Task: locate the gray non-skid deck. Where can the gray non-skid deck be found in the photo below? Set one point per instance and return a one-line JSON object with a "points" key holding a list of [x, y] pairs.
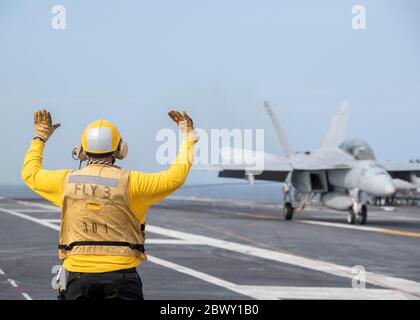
{"points": [[216, 250]]}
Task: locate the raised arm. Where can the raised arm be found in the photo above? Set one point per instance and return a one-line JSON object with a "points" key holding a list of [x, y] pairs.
{"points": [[48, 184], [146, 189]]}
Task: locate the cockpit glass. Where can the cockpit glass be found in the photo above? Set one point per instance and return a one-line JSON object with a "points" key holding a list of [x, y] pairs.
{"points": [[358, 149]]}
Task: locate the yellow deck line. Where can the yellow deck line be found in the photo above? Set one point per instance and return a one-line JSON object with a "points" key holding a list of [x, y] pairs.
{"points": [[401, 233]]}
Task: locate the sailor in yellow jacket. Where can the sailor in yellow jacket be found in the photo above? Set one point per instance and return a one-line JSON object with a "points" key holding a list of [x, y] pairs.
{"points": [[104, 207]]}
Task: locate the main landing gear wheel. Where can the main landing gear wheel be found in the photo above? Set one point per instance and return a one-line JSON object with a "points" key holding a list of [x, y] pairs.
{"points": [[351, 217], [359, 217], [362, 216], [288, 211]]}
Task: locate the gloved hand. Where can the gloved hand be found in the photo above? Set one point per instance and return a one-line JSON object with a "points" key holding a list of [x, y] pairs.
{"points": [[185, 124], [43, 125]]}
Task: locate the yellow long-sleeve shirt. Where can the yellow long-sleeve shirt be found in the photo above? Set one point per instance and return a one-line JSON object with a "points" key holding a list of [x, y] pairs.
{"points": [[144, 190]]}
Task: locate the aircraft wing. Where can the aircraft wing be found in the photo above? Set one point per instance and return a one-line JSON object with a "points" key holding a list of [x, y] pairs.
{"points": [[266, 175], [277, 168], [402, 171], [273, 169]]}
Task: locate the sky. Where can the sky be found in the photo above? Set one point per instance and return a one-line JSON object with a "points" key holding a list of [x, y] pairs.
{"points": [[132, 61]]}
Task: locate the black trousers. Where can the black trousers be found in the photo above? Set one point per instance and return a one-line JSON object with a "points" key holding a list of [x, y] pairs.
{"points": [[116, 285]]}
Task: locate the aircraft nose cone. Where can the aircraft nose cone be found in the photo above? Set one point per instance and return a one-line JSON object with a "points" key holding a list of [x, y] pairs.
{"points": [[390, 190], [382, 185]]}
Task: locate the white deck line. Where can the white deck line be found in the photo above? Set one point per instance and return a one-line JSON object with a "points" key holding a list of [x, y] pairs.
{"points": [[14, 285], [404, 286], [394, 283]]}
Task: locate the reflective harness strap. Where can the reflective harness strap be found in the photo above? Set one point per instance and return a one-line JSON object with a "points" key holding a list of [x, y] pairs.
{"points": [[139, 247], [69, 247]]}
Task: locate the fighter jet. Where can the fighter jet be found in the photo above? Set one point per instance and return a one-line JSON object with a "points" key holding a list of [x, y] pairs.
{"points": [[338, 172]]}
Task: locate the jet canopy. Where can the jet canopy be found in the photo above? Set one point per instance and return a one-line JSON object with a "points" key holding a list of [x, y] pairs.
{"points": [[358, 149]]}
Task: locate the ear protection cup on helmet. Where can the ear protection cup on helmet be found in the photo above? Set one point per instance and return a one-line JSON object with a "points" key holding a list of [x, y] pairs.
{"points": [[80, 154], [122, 151]]}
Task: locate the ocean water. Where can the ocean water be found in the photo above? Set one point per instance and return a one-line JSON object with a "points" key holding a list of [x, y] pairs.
{"points": [[260, 192], [17, 191], [233, 189], [201, 184]]}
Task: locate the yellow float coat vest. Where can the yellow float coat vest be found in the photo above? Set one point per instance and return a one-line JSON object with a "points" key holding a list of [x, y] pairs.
{"points": [[96, 219]]}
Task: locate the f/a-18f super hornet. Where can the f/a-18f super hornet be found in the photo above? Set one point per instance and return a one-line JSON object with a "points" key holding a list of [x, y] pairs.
{"points": [[338, 172]]}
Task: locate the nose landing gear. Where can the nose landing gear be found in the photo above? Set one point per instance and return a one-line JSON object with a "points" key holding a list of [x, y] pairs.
{"points": [[288, 211], [357, 214]]}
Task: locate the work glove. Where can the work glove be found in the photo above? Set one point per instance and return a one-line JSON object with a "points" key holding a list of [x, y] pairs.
{"points": [[185, 124], [43, 125]]}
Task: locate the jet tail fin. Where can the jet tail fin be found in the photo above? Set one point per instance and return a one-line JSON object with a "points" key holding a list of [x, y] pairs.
{"points": [[337, 131], [279, 130]]}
